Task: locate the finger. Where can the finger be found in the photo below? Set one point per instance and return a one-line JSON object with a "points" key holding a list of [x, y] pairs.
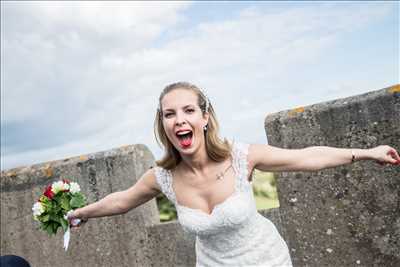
{"points": [[76, 225], [393, 157], [394, 154], [390, 159]]}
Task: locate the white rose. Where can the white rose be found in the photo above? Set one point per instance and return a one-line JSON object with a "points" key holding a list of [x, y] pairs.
{"points": [[66, 186], [57, 187], [37, 209], [74, 188]]}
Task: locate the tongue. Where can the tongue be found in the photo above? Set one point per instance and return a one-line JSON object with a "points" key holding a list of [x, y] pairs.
{"points": [[185, 142]]}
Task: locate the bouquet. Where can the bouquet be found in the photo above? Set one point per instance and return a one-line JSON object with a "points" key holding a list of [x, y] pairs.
{"points": [[54, 204]]}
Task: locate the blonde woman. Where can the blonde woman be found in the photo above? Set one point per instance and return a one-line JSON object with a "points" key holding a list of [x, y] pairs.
{"points": [[209, 181]]}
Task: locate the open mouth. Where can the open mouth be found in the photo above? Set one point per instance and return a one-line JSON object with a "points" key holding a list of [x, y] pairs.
{"points": [[185, 138]]}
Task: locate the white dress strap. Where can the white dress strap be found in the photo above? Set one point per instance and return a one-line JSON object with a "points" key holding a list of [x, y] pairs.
{"points": [[165, 182]]}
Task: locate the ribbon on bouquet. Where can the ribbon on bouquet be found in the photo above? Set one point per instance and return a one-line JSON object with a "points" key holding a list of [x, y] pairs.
{"points": [[67, 233]]}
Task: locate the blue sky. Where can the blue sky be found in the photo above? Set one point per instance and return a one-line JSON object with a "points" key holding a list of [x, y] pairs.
{"points": [[82, 77]]}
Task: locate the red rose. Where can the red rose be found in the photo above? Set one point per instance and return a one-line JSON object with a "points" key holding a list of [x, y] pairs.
{"points": [[48, 193]]}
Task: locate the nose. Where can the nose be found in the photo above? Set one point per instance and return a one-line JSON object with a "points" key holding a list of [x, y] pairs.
{"points": [[180, 119]]}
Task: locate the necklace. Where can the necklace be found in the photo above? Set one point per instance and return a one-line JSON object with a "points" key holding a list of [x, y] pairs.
{"points": [[221, 174]]}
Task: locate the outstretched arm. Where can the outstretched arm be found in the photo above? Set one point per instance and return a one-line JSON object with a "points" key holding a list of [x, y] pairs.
{"points": [[121, 202], [314, 158]]}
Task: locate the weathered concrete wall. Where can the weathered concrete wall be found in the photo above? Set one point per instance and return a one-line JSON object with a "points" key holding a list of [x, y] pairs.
{"points": [[108, 241], [345, 216], [133, 239], [348, 215]]}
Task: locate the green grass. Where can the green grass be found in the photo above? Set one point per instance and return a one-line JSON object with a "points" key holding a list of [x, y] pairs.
{"points": [[265, 194], [264, 187], [263, 203]]}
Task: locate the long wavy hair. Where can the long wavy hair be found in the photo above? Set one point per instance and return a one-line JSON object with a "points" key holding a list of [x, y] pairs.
{"points": [[217, 149]]}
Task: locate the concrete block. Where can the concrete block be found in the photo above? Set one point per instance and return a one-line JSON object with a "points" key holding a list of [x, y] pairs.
{"points": [[107, 241], [348, 215]]}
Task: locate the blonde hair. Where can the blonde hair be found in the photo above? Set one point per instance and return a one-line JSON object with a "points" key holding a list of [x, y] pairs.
{"points": [[217, 149]]}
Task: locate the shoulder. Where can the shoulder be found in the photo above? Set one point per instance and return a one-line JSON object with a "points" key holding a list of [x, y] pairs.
{"points": [[254, 153], [243, 150], [149, 178], [240, 147]]}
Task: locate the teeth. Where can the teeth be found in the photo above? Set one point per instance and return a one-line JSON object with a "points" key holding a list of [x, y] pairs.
{"points": [[182, 133]]}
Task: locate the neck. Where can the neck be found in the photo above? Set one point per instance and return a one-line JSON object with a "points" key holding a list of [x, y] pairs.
{"points": [[196, 162]]}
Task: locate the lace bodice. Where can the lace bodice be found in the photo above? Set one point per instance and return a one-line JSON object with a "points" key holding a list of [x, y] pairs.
{"points": [[234, 233]]}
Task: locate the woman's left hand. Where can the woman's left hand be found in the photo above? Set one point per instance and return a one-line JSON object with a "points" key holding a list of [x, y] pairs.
{"points": [[385, 154]]}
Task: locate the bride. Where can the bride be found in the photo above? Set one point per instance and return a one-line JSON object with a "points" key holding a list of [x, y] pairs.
{"points": [[209, 181]]}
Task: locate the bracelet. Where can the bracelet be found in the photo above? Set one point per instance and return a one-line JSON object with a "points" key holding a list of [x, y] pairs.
{"points": [[353, 157]]}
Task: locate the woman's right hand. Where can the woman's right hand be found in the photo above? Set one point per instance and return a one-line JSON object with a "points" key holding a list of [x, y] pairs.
{"points": [[74, 219]]}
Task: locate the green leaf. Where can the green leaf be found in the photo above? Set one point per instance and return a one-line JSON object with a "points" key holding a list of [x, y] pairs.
{"points": [[64, 224], [55, 227], [56, 197], [47, 205], [49, 228], [56, 209], [77, 201], [44, 218], [44, 226], [64, 202], [55, 218]]}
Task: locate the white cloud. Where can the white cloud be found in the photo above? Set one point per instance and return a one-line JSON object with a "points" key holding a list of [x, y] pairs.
{"points": [[91, 72]]}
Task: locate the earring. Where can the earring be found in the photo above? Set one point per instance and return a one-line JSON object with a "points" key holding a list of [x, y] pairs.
{"points": [[205, 128]]}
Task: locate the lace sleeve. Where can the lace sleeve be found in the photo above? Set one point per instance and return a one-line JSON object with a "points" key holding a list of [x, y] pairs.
{"points": [[159, 178], [164, 182], [241, 151]]}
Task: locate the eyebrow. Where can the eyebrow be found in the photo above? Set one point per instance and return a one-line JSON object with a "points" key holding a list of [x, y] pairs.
{"points": [[187, 106]]}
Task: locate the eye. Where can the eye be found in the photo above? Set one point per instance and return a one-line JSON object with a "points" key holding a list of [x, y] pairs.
{"points": [[190, 110], [167, 115]]}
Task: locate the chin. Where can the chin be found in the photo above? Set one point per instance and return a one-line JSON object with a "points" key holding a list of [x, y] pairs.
{"points": [[186, 150]]}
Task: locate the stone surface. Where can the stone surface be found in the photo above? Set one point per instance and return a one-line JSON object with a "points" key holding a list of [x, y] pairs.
{"points": [[107, 241], [136, 238], [347, 215], [343, 216]]}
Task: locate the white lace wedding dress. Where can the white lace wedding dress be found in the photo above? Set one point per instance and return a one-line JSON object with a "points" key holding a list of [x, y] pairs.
{"points": [[234, 234]]}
